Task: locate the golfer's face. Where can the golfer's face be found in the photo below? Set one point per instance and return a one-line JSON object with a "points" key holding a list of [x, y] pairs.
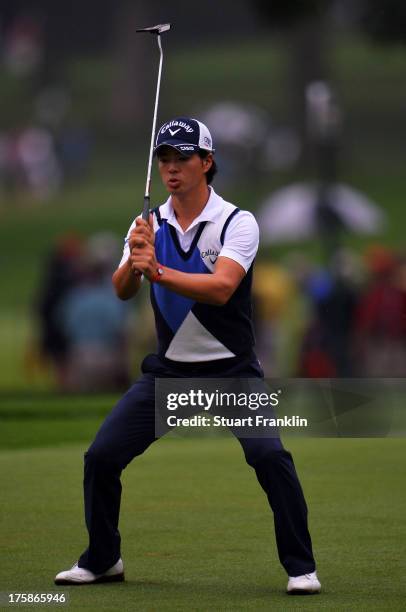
{"points": [[180, 174]]}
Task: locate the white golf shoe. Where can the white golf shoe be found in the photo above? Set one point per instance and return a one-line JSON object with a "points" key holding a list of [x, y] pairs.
{"points": [[79, 575], [303, 585]]}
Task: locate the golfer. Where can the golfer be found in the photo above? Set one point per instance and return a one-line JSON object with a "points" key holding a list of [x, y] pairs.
{"points": [[197, 251]]}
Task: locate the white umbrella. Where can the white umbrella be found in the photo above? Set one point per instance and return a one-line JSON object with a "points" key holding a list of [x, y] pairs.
{"points": [[292, 213], [235, 124]]}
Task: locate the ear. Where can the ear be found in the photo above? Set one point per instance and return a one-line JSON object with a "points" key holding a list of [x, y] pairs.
{"points": [[207, 162]]}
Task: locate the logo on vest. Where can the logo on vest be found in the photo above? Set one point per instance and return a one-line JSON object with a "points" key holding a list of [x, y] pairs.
{"points": [[212, 255]]}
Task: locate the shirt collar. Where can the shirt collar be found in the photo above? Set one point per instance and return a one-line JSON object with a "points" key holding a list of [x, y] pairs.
{"points": [[209, 213]]}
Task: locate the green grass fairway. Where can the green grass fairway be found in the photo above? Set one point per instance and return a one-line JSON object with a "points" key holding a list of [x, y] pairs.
{"points": [[197, 533]]}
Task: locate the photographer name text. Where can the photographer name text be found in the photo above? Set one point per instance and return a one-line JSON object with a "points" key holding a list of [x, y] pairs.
{"points": [[222, 421]]}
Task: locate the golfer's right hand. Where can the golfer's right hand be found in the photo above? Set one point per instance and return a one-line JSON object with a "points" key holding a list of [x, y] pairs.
{"points": [[142, 234]]}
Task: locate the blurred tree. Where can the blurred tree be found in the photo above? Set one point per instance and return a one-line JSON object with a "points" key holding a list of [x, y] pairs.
{"points": [[304, 24], [136, 57], [384, 20], [280, 13]]}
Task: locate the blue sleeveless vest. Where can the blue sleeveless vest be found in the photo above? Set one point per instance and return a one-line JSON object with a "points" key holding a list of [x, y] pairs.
{"points": [[193, 332]]}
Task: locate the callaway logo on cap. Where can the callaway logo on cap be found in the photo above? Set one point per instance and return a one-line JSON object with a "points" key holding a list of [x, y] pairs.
{"points": [[185, 135]]}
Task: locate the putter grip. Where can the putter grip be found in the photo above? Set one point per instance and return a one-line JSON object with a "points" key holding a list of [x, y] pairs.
{"points": [[145, 210]]}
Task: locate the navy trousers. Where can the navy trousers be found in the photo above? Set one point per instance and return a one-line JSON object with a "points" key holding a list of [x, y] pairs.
{"points": [[129, 430]]}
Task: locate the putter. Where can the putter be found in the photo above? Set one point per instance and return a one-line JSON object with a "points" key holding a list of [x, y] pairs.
{"points": [[157, 30]]}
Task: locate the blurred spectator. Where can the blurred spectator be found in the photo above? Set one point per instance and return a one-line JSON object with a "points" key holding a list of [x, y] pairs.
{"points": [[41, 170], [35, 161], [51, 106], [282, 149], [73, 142], [380, 323], [11, 169], [327, 344], [275, 308], [248, 140], [95, 324], [4, 151], [331, 322], [62, 272], [241, 132], [74, 146], [23, 46]]}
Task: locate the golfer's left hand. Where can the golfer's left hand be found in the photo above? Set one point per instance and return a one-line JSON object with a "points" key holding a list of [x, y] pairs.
{"points": [[143, 257]]}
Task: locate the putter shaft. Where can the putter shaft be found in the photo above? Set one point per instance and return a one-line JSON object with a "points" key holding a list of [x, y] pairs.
{"points": [[157, 30]]}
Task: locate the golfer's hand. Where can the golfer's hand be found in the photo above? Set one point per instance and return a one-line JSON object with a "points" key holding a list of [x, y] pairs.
{"points": [[143, 257], [144, 230]]}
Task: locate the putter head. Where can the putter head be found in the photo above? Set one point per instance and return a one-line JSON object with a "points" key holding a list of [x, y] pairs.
{"points": [[158, 29]]}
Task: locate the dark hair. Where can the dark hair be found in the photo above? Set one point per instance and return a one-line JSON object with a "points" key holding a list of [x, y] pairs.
{"points": [[212, 171]]}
